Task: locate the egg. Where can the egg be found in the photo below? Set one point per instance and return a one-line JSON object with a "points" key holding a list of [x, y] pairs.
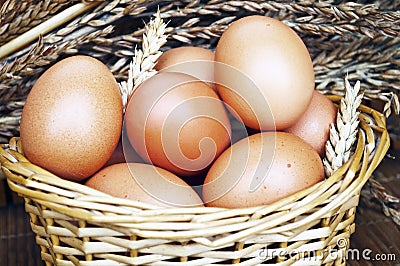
{"points": [[264, 72], [72, 119], [194, 61], [124, 153], [144, 183], [261, 169], [314, 125], [177, 122]]}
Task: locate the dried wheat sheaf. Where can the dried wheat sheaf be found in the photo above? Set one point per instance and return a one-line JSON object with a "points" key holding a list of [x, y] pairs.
{"points": [[343, 134], [144, 60]]}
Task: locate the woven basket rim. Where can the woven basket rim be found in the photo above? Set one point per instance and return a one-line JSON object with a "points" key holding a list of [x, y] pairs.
{"points": [[12, 160]]}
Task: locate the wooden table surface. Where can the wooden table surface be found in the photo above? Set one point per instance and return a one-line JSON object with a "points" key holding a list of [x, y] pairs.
{"points": [[376, 235]]}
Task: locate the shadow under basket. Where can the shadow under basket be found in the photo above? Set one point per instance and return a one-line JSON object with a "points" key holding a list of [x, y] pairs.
{"points": [[77, 225]]}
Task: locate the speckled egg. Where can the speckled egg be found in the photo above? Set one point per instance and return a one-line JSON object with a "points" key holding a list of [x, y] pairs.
{"points": [[72, 119], [274, 78], [314, 125], [191, 60], [177, 122], [145, 183], [261, 169]]}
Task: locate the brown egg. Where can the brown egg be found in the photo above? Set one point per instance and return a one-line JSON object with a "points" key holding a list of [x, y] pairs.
{"points": [[194, 61], [177, 122], [124, 152], [145, 183], [72, 118], [262, 169], [313, 126], [264, 72]]}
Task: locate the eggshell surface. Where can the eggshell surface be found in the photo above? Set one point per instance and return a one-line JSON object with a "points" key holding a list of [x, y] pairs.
{"points": [[275, 58], [191, 60], [177, 122], [260, 170], [71, 121], [145, 183], [314, 125], [123, 153]]}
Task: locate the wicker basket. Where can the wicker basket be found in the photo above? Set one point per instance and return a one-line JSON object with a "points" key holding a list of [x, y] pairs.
{"points": [[76, 225]]}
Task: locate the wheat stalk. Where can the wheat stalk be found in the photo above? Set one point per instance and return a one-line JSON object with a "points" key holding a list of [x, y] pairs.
{"points": [[144, 60], [343, 134], [361, 59], [389, 202], [17, 17], [321, 19], [43, 28]]}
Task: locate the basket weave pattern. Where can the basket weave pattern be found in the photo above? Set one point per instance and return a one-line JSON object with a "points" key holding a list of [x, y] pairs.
{"points": [[78, 225], [75, 223]]}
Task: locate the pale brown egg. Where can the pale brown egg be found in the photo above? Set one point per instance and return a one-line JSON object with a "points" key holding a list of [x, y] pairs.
{"points": [[264, 72], [177, 122], [260, 170], [314, 125], [124, 152], [72, 118], [144, 183], [191, 60]]}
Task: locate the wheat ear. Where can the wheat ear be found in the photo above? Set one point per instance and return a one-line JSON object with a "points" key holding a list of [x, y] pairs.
{"points": [[343, 134], [144, 60]]}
